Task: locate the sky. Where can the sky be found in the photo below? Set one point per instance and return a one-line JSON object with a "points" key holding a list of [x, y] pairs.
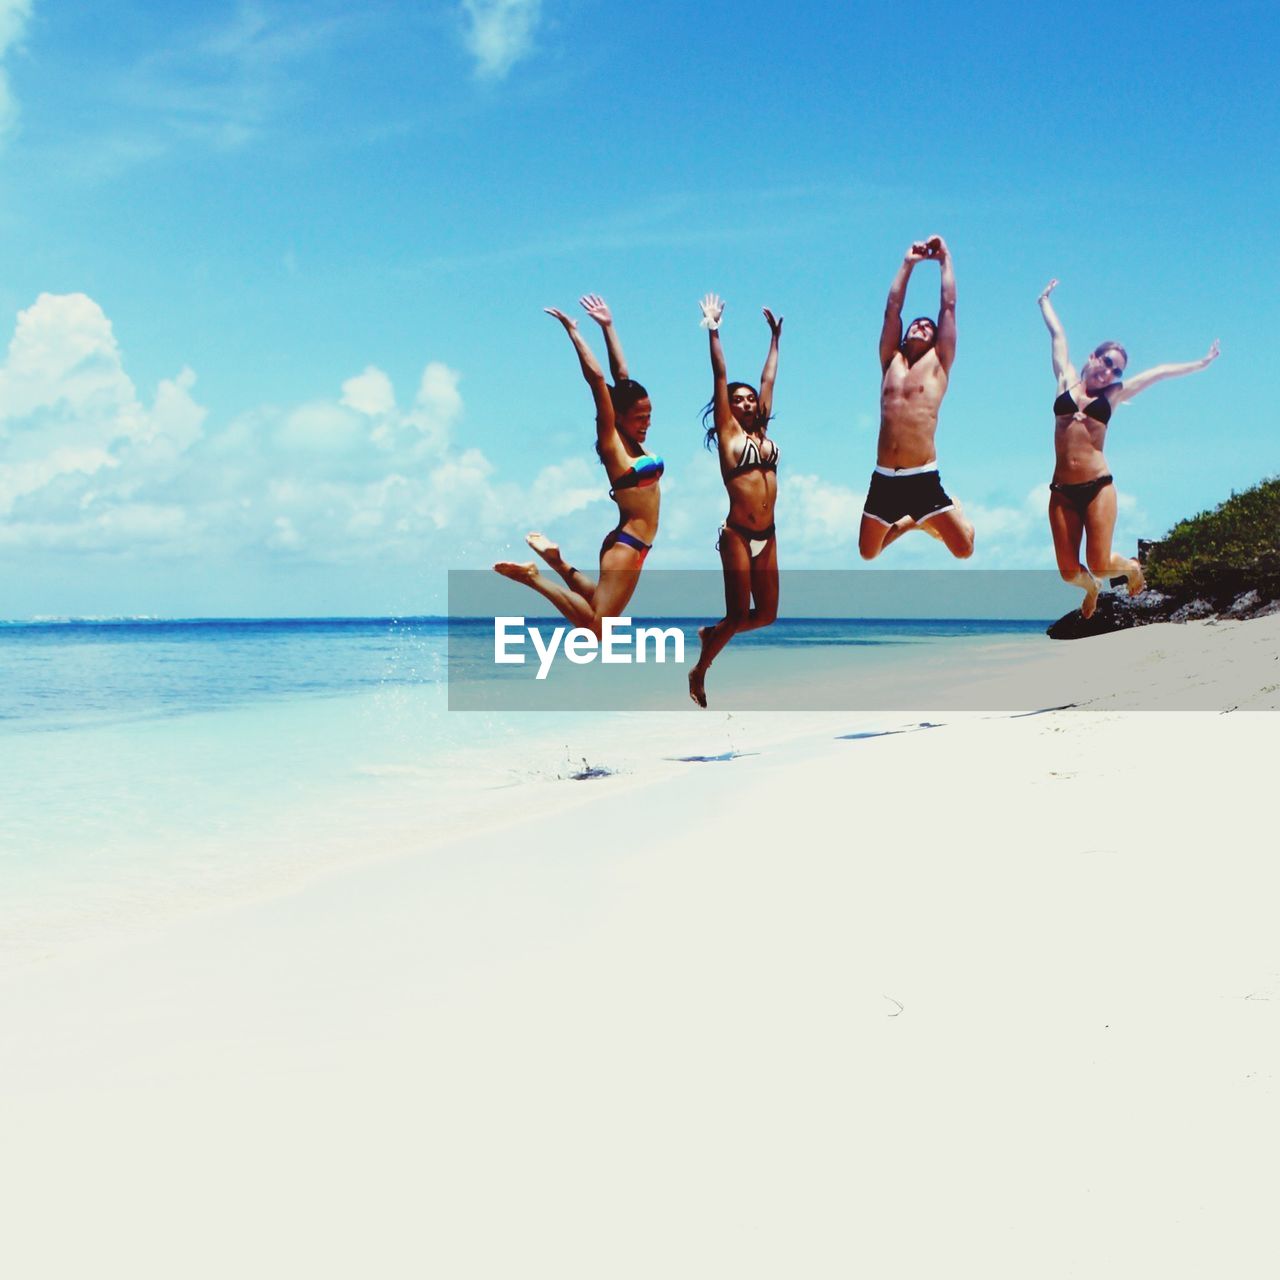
{"points": [[274, 274]]}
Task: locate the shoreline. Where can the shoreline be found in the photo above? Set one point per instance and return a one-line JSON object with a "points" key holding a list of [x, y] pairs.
{"points": [[391, 803]]}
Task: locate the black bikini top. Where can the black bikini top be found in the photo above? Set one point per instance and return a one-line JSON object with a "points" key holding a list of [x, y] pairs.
{"points": [[1099, 408], [753, 458]]}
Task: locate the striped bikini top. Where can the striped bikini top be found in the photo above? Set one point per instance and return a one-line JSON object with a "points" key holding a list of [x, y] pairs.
{"points": [[645, 471], [753, 458]]}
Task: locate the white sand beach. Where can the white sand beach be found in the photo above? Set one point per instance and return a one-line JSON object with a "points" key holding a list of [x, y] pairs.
{"points": [[998, 997]]}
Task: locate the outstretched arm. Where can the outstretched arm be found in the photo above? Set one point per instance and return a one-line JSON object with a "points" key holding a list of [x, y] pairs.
{"points": [[1141, 381], [891, 334], [606, 433], [712, 309], [598, 309], [945, 339], [769, 374], [1062, 369]]}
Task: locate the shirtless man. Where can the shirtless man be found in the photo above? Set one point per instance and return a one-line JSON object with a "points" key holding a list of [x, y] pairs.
{"points": [[905, 491]]}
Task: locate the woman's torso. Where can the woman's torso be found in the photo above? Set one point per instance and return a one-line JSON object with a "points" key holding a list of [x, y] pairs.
{"points": [[749, 466], [1079, 434], [633, 485]]}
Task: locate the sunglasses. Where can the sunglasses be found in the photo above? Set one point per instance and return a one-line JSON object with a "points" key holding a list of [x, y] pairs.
{"points": [[1114, 365]]}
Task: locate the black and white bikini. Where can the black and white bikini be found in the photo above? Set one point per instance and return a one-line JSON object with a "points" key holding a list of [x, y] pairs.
{"points": [[753, 458]]}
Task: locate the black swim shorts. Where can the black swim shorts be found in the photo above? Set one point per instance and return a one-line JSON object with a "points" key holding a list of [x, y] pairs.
{"points": [[918, 494]]}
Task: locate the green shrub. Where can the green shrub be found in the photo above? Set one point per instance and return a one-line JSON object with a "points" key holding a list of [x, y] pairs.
{"points": [[1222, 553]]}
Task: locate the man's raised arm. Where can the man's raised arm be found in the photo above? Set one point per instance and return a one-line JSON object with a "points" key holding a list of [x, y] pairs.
{"points": [[945, 342], [891, 334]]}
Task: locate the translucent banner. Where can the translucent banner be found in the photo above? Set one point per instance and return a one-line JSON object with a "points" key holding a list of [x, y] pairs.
{"points": [[843, 640]]}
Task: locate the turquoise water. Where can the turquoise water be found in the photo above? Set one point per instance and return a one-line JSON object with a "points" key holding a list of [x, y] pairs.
{"points": [[65, 674], [57, 676], [146, 764]]}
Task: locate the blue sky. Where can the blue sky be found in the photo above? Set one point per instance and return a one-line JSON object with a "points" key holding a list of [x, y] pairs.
{"points": [[274, 274]]}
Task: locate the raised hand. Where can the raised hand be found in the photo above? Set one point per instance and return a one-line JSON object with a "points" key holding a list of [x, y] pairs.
{"points": [[775, 326], [918, 252], [935, 247], [1048, 289], [1214, 352], [597, 308], [712, 309], [568, 321]]}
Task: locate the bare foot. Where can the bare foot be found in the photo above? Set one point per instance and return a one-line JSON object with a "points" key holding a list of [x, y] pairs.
{"points": [[1136, 581], [1090, 601], [526, 573], [697, 686], [546, 549]]}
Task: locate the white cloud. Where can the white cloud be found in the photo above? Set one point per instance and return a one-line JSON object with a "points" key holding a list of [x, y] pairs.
{"points": [[175, 421], [370, 393], [1015, 536], [439, 403], [13, 23], [498, 33], [822, 518], [561, 489], [63, 353], [68, 411], [321, 428], [87, 465]]}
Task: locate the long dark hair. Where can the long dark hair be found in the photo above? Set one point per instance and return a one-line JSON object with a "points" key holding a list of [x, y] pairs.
{"points": [[709, 412], [623, 395]]}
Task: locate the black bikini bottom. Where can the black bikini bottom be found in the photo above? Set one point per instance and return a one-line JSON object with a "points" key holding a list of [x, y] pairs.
{"points": [[1081, 495], [756, 539]]}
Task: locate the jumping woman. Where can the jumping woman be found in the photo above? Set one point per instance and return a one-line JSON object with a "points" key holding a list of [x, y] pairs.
{"points": [[1082, 497], [748, 543], [622, 422]]}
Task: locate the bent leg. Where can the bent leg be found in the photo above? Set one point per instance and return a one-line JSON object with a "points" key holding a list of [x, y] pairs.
{"points": [[874, 535], [1067, 528], [569, 603], [953, 529], [619, 572], [574, 579], [1099, 527], [736, 561], [764, 589], [620, 567]]}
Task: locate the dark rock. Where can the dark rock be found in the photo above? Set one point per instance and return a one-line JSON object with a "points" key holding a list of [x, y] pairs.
{"points": [[1235, 600], [1192, 611], [1117, 612], [1114, 613]]}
